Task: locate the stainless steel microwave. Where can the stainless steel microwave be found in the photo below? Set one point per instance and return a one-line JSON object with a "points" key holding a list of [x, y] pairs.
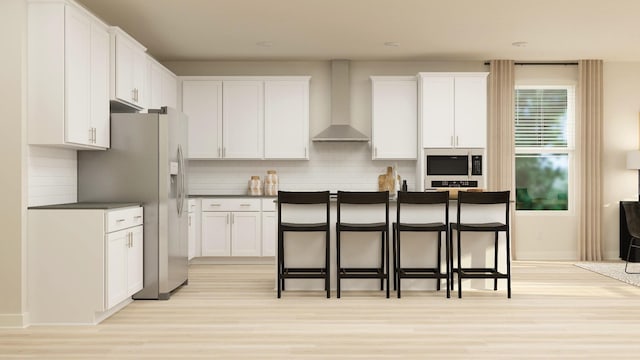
{"points": [[454, 168]]}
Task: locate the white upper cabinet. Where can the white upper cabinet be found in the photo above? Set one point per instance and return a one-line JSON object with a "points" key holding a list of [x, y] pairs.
{"points": [[286, 119], [68, 74], [202, 103], [247, 117], [394, 117], [453, 110], [163, 86], [243, 119], [129, 70]]}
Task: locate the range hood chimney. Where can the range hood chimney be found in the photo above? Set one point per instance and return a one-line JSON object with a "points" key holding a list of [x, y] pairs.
{"points": [[340, 130]]}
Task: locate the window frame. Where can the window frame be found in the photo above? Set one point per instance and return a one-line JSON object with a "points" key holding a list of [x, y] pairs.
{"points": [[570, 150]]}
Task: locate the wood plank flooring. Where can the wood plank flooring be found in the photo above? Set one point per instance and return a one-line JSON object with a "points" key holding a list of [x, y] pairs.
{"points": [[231, 312]]}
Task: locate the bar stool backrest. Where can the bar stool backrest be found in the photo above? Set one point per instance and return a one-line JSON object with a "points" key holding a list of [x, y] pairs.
{"points": [[363, 198], [632, 213], [484, 198], [423, 198], [303, 198]]}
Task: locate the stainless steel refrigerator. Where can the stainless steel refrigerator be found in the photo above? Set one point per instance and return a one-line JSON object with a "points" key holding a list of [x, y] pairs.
{"points": [[146, 164]]}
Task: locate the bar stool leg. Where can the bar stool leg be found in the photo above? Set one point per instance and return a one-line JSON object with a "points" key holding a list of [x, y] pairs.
{"points": [[451, 254], [395, 261], [327, 264], [338, 272], [399, 266], [495, 263], [438, 269], [447, 255], [508, 266], [459, 266], [386, 247], [382, 261]]}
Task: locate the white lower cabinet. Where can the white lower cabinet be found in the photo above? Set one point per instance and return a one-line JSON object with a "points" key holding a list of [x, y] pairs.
{"points": [[231, 227], [269, 227], [194, 247], [84, 264]]}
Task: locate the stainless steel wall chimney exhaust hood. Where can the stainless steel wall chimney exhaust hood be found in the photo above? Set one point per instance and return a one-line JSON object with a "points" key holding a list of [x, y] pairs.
{"points": [[340, 130]]}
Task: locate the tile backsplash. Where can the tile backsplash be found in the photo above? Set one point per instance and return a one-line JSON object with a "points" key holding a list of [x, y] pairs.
{"points": [[332, 166], [52, 174]]}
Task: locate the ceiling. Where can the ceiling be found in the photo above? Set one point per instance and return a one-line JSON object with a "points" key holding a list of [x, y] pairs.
{"points": [[358, 29]]}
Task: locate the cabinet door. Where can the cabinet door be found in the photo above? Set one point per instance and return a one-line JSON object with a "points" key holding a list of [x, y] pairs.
{"points": [[78, 77], [169, 90], [135, 261], [437, 96], [269, 233], [471, 111], [286, 119], [192, 236], [117, 261], [243, 119], [100, 85], [245, 230], [216, 234], [125, 88], [394, 119], [155, 89], [202, 103], [140, 77]]}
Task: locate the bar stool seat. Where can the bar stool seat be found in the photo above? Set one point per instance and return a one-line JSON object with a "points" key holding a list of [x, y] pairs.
{"points": [[284, 272], [424, 200], [364, 198]]}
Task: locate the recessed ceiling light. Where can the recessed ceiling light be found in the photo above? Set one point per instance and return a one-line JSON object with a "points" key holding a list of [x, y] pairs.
{"points": [[519, 43], [265, 43], [392, 44]]}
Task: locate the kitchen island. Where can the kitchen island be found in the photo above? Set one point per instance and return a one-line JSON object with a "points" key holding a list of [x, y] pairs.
{"points": [[363, 249]]}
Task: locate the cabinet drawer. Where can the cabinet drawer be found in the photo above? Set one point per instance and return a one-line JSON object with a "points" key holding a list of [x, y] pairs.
{"points": [[125, 218], [269, 205], [193, 205], [242, 204]]}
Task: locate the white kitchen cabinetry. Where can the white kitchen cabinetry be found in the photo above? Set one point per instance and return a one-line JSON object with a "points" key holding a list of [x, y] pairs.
{"points": [[394, 117], [202, 103], [68, 77], [242, 117], [194, 228], [163, 86], [453, 110], [129, 70], [286, 119], [231, 227], [84, 263], [269, 227]]}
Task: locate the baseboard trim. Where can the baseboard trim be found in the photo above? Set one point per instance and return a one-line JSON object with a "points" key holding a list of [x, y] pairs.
{"points": [[547, 255], [14, 320], [234, 260]]}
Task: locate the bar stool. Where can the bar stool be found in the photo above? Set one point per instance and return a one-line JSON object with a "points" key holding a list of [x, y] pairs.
{"points": [[303, 198], [482, 198], [364, 198], [432, 200]]}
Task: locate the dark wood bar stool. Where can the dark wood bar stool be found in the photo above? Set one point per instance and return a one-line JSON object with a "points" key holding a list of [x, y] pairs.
{"points": [[482, 198], [364, 198], [284, 272], [440, 224]]}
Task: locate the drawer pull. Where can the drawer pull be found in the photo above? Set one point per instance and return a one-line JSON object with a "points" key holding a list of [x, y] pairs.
{"points": [[138, 217], [214, 204], [120, 220], [245, 204]]}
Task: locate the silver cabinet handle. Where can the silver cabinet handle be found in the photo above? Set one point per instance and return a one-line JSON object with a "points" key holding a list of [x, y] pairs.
{"points": [[224, 151], [91, 135], [227, 217], [120, 220], [232, 218], [137, 217], [214, 204], [456, 140], [219, 152], [245, 204]]}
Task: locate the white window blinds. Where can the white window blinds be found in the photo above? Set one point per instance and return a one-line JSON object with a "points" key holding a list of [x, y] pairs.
{"points": [[544, 117]]}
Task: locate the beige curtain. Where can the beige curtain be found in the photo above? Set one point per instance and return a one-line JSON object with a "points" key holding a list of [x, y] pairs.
{"points": [[590, 120], [500, 133]]}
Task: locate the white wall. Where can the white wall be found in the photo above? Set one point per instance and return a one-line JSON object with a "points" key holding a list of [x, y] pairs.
{"points": [[13, 180], [557, 239], [333, 166], [621, 110]]}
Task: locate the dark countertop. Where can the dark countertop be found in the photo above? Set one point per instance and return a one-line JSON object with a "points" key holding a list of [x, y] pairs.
{"points": [[85, 205]]}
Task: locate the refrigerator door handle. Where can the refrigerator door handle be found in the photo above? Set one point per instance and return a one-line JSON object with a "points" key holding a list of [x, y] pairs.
{"points": [[180, 187]]}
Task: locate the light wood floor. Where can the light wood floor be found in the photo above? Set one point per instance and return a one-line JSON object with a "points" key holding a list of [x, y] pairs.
{"points": [[231, 312]]}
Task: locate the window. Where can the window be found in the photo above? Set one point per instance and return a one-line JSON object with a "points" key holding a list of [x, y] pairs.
{"points": [[544, 146]]}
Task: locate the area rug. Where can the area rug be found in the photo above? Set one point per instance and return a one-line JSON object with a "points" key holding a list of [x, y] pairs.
{"points": [[614, 270]]}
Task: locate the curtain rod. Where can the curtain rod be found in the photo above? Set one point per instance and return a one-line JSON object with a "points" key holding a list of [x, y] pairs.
{"points": [[542, 63]]}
